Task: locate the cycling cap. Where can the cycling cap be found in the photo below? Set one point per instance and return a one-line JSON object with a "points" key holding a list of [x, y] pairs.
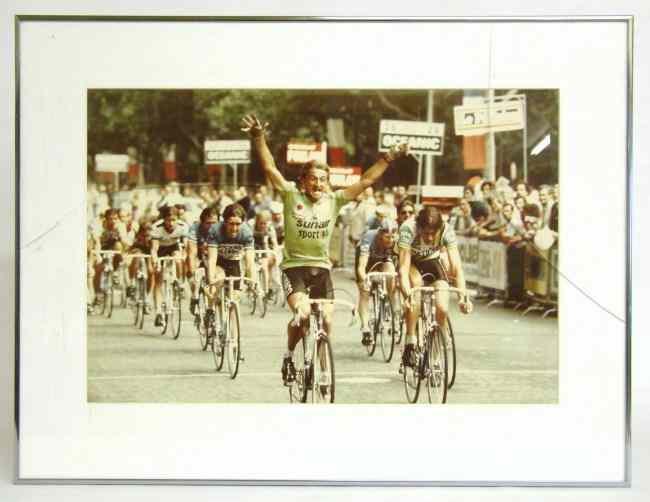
{"points": [[276, 207]]}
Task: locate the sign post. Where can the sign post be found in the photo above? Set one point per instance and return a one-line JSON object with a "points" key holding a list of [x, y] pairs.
{"points": [[423, 138], [496, 114], [228, 152], [115, 164]]}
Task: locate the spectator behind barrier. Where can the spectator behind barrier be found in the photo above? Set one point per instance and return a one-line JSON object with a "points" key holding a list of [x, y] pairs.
{"points": [[461, 220]]}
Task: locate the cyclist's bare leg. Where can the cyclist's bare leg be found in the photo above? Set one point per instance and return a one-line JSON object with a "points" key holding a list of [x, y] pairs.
{"points": [[363, 305], [216, 283], [157, 294], [389, 267], [442, 305], [298, 302], [413, 309], [270, 263]]}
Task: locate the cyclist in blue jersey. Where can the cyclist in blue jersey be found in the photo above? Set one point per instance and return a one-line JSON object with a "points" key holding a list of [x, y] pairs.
{"points": [[198, 239], [228, 242], [374, 253]]}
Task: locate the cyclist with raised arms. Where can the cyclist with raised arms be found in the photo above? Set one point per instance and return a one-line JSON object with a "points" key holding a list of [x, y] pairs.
{"points": [[310, 212], [375, 253], [265, 239], [198, 239], [167, 236], [228, 242], [420, 244]]}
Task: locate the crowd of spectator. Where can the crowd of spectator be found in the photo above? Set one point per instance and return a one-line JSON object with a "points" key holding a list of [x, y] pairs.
{"points": [[516, 214]]}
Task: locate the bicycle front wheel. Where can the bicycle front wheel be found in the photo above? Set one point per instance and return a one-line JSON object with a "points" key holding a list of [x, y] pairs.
{"points": [[200, 319], [142, 300], [217, 339], [176, 312], [109, 298], [298, 390], [387, 330], [263, 296], [374, 321], [412, 375], [450, 344], [233, 341], [323, 372], [435, 367]]}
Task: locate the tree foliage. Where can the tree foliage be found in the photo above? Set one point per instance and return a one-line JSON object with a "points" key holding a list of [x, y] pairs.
{"points": [[151, 120]]}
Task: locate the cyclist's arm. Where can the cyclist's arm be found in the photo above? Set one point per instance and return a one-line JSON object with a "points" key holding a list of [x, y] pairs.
{"points": [[268, 163], [213, 252], [154, 250], [193, 254], [456, 269], [404, 270], [367, 179]]}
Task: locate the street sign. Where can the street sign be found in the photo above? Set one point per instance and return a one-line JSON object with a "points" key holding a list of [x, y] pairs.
{"points": [[227, 151], [425, 138], [108, 163], [301, 152], [344, 176], [475, 119]]}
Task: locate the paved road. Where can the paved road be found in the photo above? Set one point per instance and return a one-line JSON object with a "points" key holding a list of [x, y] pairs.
{"points": [[502, 358]]}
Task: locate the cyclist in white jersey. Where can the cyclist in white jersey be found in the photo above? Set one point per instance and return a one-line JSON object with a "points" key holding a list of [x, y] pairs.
{"points": [[310, 213], [167, 236], [265, 239], [420, 244]]}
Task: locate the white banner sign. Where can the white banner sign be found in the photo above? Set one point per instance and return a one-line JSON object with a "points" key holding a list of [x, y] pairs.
{"points": [[468, 249], [492, 265], [301, 152], [475, 119], [107, 163], [227, 151], [422, 137]]}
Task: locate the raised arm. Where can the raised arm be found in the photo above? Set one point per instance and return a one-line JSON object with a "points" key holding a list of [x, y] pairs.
{"points": [[257, 132], [376, 170]]}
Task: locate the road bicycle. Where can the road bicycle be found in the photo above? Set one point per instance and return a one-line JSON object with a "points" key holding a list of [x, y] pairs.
{"points": [[260, 297], [201, 307], [107, 282], [314, 359], [171, 296], [139, 302], [383, 323], [431, 355], [224, 327]]}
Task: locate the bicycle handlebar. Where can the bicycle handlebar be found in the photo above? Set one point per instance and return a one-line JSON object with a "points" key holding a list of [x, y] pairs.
{"points": [[107, 252], [231, 279], [265, 251], [431, 289]]}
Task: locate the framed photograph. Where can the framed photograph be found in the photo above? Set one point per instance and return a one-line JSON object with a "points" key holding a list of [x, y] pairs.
{"points": [[283, 251]]}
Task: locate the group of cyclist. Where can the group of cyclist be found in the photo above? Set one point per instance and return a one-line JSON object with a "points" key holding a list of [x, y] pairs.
{"points": [[413, 248]]}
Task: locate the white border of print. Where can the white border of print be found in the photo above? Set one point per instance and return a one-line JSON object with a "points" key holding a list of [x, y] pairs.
{"points": [[482, 444]]}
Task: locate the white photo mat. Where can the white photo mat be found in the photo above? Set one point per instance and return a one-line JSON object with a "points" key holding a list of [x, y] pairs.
{"points": [[580, 440]]}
